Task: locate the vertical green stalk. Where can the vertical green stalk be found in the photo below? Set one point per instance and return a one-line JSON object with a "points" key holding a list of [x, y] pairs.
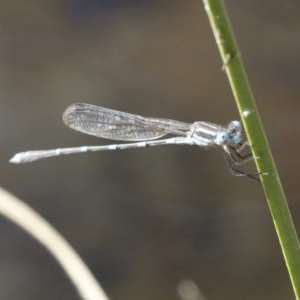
{"points": [[254, 130]]}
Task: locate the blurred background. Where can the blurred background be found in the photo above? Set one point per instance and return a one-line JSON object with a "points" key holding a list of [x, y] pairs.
{"points": [[144, 220]]}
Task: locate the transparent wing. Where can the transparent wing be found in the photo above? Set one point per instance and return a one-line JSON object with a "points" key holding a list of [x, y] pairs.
{"points": [[117, 125]]}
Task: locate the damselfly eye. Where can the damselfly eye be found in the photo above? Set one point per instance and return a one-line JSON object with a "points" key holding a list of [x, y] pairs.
{"points": [[222, 138], [235, 126]]}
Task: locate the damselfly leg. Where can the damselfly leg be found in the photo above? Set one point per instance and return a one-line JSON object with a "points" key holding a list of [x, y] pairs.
{"points": [[236, 158]]}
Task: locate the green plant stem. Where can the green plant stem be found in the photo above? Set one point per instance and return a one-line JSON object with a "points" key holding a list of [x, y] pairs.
{"points": [[254, 130]]}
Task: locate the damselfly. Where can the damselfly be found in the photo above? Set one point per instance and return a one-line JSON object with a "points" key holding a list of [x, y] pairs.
{"points": [[144, 132]]}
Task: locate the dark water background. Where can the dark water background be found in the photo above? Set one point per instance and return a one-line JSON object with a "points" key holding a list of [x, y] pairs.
{"points": [[145, 219]]}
